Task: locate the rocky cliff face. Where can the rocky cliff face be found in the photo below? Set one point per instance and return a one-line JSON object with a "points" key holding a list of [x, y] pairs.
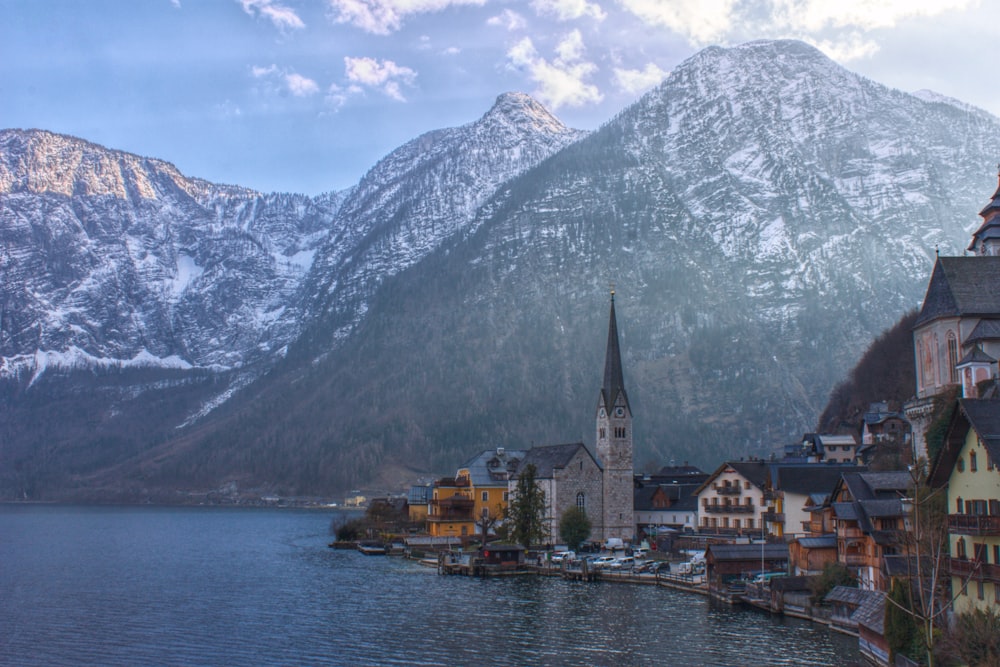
{"points": [[764, 213]]}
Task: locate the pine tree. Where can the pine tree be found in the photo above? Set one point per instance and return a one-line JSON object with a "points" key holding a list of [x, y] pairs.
{"points": [[526, 510]]}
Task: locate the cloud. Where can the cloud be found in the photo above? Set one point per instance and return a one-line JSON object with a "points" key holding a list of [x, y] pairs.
{"points": [[638, 81], [560, 82], [282, 17], [508, 19], [567, 10], [382, 17], [383, 75], [296, 84], [839, 25]]}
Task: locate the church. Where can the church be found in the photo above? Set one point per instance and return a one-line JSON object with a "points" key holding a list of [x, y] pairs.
{"points": [[602, 486]]}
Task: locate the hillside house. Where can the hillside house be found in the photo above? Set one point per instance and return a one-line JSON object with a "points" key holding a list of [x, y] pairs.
{"points": [[731, 500], [969, 466]]}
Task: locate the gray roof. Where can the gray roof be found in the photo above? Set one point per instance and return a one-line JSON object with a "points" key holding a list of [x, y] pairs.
{"points": [[871, 613], [882, 508], [985, 329], [974, 356], [981, 415], [821, 542], [492, 466], [845, 511], [754, 471], [962, 287], [748, 551], [846, 594], [549, 458], [809, 478]]}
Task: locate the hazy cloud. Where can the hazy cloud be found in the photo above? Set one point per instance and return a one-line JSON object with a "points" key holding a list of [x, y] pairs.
{"points": [[566, 10], [282, 17], [561, 82], [639, 80], [296, 84], [383, 75], [382, 17], [508, 19]]}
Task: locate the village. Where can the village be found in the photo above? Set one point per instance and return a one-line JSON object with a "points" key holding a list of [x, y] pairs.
{"points": [[889, 531]]}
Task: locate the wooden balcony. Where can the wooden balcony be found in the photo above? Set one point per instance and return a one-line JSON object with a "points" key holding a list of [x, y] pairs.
{"points": [[724, 490], [974, 524], [729, 509], [854, 560], [774, 517], [453, 508], [975, 570]]}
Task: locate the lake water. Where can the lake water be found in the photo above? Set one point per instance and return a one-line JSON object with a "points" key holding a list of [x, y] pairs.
{"points": [[213, 586]]}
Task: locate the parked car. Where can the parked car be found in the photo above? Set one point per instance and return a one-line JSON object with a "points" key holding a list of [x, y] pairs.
{"points": [[659, 566], [639, 553], [602, 561], [560, 556], [624, 563]]}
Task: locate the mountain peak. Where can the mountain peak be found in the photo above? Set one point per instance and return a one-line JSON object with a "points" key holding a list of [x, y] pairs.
{"points": [[522, 109]]}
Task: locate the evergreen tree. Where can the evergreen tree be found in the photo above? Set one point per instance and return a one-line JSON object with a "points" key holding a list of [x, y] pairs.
{"points": [[526, 510], [574, 527]]}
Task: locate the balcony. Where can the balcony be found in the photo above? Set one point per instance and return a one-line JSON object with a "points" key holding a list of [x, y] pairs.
{"points": [[453, 508], [774, 517], [973, 524], [729, 509], [854, 560], [975, 570], [724, 490]]}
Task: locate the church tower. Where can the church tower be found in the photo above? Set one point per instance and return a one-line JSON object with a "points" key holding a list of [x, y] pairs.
{"points": [[986, 239], [614, 441]]}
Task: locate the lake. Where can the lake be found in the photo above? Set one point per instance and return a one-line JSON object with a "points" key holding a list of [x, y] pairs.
{"points": [[228, 586]]}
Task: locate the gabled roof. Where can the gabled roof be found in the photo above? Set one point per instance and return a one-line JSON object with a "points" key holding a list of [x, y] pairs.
{"points": [[962, 287], [981, 415], [821, 542], [808, 478], [975, 356], [492, 467], [549, 458], [871, 613], [847, 594], [753, 471]]}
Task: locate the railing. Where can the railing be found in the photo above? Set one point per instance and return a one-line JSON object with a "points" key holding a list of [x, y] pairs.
{"points": [[774, 517], [854, 559], [728, 490], [973, 524], [729, 509], [974, 569]]}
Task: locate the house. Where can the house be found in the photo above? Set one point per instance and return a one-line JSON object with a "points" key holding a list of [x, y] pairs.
{"points": [[726, 563], [869, 517], [570, 476], [809, 555], [450, 512], [880, 424], [822, 448], [789, 491], [418, 500], [665, 501], [969, 467], [731, 500], [488, 475]]}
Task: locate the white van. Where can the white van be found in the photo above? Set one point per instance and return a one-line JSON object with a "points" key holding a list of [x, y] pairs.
{"points": [[613, 543]]}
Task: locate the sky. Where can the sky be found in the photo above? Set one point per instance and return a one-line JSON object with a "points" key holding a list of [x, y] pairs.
{"points": [[307, 95]]}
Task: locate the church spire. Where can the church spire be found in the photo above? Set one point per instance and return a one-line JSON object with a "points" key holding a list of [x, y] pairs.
{"points": [[614, 381], [986, 239]]}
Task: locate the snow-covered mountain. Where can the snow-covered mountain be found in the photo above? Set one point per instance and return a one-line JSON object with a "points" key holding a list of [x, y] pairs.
{"points": [[110, 259], [764, 214]]}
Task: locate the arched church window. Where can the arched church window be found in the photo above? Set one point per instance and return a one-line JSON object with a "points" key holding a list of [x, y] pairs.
{"points": [[581, 500], [952, 357]]}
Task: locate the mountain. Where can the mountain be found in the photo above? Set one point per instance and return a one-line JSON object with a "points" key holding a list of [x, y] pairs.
{"points": [[764, 214]]}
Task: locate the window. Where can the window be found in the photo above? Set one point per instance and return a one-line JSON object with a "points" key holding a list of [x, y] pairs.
{"points": [[736, 524], [581, 500], [486, 496], [972, 462], [603, 433], [506, 496], [958, 505], [746, 485], [960, 548], [994, 508], [952, 358], [749, 523], [981, 593], [960, 465], [980, 551]]}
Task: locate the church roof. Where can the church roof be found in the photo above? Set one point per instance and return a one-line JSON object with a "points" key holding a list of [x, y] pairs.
{"points": [[962, 287], [549, 458], [975, 355], [985, 329], [614, 380]]}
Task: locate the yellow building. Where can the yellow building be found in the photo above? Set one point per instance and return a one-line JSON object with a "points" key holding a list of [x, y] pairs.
{"points": [[969, 464], [477, 495]]}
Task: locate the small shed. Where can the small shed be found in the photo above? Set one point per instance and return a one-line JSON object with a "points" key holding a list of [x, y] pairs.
{"points": [[503, 554], [729, 562]]}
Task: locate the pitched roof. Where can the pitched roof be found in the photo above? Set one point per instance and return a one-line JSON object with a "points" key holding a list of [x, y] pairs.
{"points": [[549, 458], [985, 329], [821, 542], [492, 467], [975, 356], [871, 613], [981, 415], [754, 471], [808, 478], [847, 594], [962, 287], [769, 551]]}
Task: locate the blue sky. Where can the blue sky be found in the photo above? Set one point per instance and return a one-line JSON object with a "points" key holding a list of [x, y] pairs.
{"points": [[305, 96]]}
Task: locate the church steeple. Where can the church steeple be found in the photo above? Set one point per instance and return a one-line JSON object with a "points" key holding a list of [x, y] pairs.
{"points": [[614, 442], [614, 381], [986, 239]]}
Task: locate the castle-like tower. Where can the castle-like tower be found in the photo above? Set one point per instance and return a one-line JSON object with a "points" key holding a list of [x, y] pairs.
{"points": [[614, 441]]}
